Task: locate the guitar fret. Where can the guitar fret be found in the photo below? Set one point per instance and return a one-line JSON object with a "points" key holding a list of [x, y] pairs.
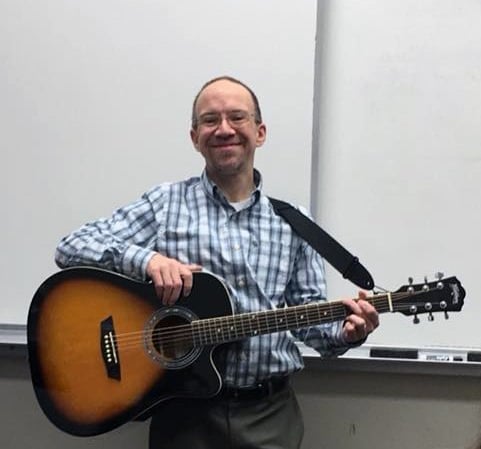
{"points": [[232, 330], [255, 320], [196, 341], [266, 319], [216, 332], [238, 323], [204, 322], [219, 330], [286, 319], [305, 316], [198, 333], [294, 312], [211, 328]]}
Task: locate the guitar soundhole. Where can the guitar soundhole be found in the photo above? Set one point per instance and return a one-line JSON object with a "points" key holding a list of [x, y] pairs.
{"points": [[168, 337]]}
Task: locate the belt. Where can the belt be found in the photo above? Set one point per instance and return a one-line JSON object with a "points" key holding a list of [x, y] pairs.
{"points": [[257, 391]]}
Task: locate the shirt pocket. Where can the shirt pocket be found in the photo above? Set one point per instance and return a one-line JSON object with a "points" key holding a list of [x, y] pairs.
{"points": [[271, 262]]}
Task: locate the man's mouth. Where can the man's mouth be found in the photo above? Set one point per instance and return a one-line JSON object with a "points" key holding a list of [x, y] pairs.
{"points": [[225, 144]]}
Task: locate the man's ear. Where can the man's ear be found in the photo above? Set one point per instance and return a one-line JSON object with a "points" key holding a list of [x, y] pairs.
{"points": [[194, 136], [261, 134]]}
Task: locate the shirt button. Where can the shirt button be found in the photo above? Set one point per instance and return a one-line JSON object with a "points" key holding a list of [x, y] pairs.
{"points": [[237, 247], [241, 282]]}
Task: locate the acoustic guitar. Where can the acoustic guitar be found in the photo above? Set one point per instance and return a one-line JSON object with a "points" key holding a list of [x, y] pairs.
{"points": [[103, 350]]}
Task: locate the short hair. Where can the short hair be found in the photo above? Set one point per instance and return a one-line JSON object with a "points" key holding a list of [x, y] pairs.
{"points": [[257, 109]]}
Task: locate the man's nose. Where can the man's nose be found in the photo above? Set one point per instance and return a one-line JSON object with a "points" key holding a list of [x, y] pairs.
{"points": [[224, 127]]}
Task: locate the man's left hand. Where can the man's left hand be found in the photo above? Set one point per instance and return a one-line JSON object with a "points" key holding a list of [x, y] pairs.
{"points": [[362, 321]]}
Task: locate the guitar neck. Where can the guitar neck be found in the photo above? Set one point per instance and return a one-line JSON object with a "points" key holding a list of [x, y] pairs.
{"points": [[225, 329]]}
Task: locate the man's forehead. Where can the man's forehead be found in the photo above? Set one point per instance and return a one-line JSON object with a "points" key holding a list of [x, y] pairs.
{"points": [[222, 92]]}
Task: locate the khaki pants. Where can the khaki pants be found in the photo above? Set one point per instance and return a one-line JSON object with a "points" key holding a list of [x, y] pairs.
{"points": [[270, 422]]}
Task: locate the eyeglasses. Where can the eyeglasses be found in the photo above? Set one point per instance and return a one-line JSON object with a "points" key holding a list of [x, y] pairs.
{"points": [[213, 119]]}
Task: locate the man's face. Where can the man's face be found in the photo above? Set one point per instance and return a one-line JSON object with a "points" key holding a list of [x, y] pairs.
{"points": [[226, 134]]}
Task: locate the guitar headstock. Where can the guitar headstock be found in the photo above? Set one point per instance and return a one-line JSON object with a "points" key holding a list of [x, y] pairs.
{"points": [[443, 295]]}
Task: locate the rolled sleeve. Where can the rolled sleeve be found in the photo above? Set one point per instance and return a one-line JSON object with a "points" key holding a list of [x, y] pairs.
{"points": [[124, 243]]}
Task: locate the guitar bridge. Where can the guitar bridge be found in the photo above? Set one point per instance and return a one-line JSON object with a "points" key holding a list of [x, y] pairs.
{"points": [[108, 347]]}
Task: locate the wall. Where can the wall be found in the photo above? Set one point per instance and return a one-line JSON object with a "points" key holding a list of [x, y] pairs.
{"points": [[95, 108], [342, 408], [397, 170]]}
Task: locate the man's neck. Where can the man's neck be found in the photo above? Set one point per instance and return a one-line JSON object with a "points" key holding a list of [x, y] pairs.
{"points": [[235, 187]]}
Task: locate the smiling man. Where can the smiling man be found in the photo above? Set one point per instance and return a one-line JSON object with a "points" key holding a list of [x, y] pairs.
{"points": [[226, 129], [222, 222]]}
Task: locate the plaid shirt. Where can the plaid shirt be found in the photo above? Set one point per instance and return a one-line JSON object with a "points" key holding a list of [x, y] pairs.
{"points": [[254, 250]]}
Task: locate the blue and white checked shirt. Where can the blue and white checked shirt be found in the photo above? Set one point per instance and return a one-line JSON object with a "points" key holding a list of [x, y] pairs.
{"points": [[254, 250]]}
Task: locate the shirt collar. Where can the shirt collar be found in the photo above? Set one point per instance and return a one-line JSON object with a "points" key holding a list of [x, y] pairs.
{"points": [[214, 192]]}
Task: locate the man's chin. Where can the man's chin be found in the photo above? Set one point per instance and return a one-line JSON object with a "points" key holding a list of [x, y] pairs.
{"points": [[228, 168]]}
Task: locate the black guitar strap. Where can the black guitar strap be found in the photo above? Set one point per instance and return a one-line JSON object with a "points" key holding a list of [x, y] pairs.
{"points": [[331, 250]]}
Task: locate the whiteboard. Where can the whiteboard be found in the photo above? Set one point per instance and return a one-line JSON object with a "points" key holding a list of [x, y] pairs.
{"points": [[397, 138], [95, 103]]}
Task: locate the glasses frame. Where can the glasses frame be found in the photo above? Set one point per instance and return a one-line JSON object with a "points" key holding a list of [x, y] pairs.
{"points": [[218, 117]]}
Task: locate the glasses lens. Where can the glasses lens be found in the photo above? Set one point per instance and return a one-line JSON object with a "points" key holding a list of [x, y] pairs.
{"points": [[234, 118]]}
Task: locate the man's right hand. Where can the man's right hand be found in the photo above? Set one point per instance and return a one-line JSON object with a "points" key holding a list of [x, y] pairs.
{"points": [[170, 277]]}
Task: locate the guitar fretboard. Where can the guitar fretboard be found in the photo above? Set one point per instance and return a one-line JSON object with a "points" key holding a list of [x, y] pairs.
{"points": [[225, 329]]}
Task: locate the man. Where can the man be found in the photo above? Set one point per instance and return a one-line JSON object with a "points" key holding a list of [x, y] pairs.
{"points": [[222, 222]]}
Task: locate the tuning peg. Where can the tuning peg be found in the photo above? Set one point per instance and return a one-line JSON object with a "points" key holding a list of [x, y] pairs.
{"points": [[425, 286], [430, 316], [439, 276], [410, 288], [416, 319], [443, 305]]}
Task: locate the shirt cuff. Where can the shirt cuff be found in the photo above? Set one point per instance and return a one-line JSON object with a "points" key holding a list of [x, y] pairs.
{"points": [[134, 262]]}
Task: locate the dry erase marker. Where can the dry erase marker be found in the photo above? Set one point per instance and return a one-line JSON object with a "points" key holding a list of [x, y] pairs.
{"points": [[443, 358]]}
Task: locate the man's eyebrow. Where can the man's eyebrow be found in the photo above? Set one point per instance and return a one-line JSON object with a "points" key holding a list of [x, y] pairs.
{"points": [[226, 111]]}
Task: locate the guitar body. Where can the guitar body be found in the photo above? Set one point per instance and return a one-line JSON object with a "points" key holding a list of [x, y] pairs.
{"points": [[95, 360], [103, 350]]}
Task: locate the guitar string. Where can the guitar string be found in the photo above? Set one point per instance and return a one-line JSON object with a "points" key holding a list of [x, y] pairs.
{"points": [[207, 331], [211, 325]]}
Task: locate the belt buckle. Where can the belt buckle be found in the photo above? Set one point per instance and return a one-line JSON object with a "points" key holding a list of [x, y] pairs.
{"points": [[264, 388]]}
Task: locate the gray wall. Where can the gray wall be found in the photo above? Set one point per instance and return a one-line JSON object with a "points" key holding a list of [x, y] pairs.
{"points": [[95, 109], [397, 170], [343, 408]]}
